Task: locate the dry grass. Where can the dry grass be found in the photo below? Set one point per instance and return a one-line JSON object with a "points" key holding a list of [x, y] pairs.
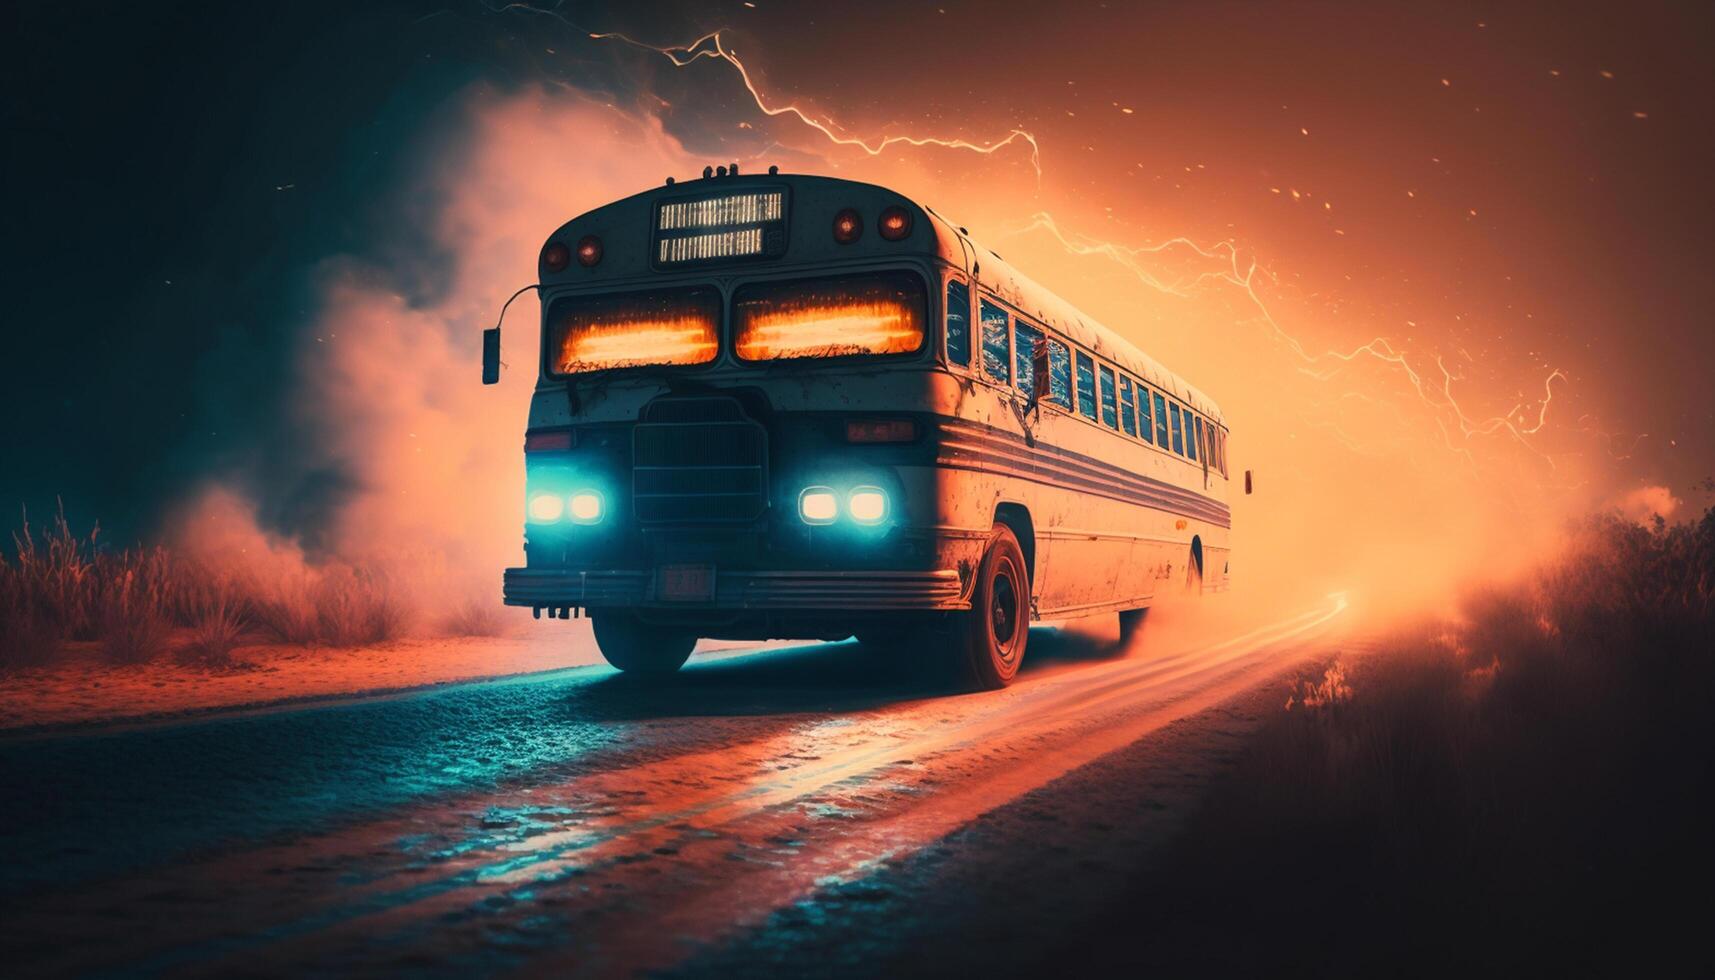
{"points": [[140, 603], [475, 617], [219, 626], [1515, 791]]}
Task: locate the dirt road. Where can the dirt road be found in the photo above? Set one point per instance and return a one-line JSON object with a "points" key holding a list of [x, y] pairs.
{"points": [[570, 821]]}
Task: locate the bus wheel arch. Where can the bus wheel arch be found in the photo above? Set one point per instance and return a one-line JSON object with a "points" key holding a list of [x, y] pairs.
{"points": [[1016, 517]]}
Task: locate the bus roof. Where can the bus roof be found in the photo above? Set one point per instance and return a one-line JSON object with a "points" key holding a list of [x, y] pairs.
{"points": [[625, 224]]}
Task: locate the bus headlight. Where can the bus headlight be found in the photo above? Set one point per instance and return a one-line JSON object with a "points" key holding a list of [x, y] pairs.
{"points": [[545, 508], [867, 505], [818, 505], [586, 507]]}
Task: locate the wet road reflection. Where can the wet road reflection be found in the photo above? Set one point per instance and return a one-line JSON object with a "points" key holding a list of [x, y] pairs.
{"points": [[578, 815]]}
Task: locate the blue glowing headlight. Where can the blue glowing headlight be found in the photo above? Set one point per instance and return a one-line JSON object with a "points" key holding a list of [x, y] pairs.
{"points": [[585, 507], [818, 505], [545, 508], [867, 505]]}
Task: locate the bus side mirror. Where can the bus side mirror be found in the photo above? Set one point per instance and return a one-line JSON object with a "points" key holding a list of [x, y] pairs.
{"points": [[1247, 481], [1039, 380], [491, 355]]}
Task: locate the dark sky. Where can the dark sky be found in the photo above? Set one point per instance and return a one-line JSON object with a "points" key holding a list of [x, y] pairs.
{"points": [[174, 170]]}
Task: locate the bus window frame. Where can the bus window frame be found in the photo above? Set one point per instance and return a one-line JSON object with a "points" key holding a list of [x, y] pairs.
{"points": [[1128, 405], [1079, 359], [1174, 431], [1145, 415], [1107, 380], [980, 350], [1022, 359], [1162, 436], [1191, 427], [946, 329]]}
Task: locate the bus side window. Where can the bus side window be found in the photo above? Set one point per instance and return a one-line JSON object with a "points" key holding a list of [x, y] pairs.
{"points": [[1160, 421], [1024, 342], [1086, 386], [958, 322], [1178, 435], [1128, 411], [1110, 411], [1059, 374], [1145, 420], [997, 358], [1192, 425]]}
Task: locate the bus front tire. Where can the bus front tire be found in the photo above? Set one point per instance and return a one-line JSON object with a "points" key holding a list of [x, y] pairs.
{"points": [[641, 649], [993, 634]]}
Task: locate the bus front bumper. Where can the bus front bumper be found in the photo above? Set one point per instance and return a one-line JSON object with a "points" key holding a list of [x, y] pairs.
{"points": [[738, 589]]}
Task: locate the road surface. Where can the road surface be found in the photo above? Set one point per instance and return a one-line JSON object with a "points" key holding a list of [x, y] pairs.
{"points": [[571, 822]]}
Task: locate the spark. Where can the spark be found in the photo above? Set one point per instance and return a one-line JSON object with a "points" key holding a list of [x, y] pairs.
{"points": [[711, 46]]}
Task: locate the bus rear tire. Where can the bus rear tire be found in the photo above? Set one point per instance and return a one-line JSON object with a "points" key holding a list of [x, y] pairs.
{"points": [[638, 648], [991, 637]]}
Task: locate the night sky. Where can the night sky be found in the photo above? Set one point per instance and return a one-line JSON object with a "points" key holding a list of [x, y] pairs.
{"points": [[1518, 190]]}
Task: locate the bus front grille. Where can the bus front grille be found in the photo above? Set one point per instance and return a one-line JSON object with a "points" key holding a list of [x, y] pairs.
{"points": [[698, 461]]}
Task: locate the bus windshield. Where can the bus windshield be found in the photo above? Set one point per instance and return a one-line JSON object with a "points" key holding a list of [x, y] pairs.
{"points": [[667, 326], [875, 313]]}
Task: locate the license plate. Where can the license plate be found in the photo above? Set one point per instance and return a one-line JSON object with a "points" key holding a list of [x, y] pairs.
{"points": [[688, 583]]}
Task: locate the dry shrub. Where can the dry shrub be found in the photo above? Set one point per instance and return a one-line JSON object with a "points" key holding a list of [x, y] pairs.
{"points": [[337, 605], [60, 586], [475, 617], [134, 626], [27, 637], [355, 607], [217, 628]]}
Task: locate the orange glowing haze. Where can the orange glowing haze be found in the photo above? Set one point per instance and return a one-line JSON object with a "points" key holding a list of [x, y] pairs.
{"points": [[1394, 363]]}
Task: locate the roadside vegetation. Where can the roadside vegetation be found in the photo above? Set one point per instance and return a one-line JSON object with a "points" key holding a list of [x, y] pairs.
{"points": [[1520, 790], [140, 604]]}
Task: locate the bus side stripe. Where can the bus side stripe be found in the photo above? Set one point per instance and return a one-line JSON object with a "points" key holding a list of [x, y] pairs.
{"points": [[1004, 448], [1005, 465]]}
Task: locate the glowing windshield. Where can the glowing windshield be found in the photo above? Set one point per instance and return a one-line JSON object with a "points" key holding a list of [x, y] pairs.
{"points": [[867, 314], [597, 333]]}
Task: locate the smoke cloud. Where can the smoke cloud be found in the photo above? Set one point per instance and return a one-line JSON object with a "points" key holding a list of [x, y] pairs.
{"points": [[428, 461], [1375, 500]]}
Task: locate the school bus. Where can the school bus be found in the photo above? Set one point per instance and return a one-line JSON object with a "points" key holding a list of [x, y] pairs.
{"points": [[792, 406]]}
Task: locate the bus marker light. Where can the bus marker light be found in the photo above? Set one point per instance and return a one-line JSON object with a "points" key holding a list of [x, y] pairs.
{"points": [[539, 442], [817, 505], [895, 223], [848, 226], [556, 256], [880, 430], [589, 251], [586, 507], [546, 508], [868, 505]]}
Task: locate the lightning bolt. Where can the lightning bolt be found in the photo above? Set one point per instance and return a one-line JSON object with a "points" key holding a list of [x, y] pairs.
{"points": [[712, 46], [1232, 269]]}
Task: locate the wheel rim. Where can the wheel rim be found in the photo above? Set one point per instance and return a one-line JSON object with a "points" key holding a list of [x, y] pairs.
{"points": [[1004, 612]]}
